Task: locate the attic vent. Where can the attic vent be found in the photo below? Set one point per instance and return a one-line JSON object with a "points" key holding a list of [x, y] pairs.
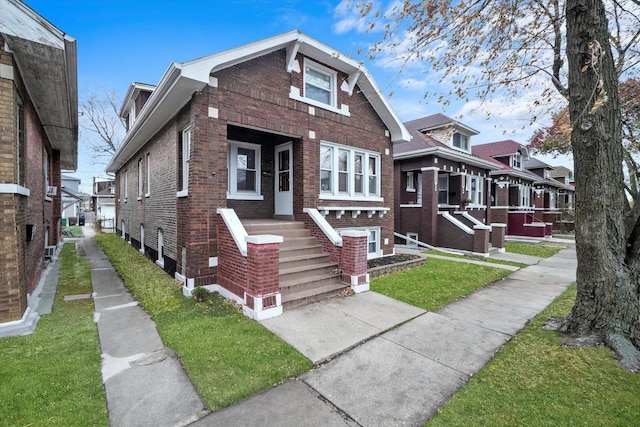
{"points": [[52, 190]]}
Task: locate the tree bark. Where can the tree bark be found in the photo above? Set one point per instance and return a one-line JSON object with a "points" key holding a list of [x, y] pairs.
{"points": [[608, 298]]}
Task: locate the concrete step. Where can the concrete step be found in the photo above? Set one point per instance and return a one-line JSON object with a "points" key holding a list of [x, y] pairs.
{"points": [[296, 242], [300, 273], [310, 282], [299, 298], [270, 226], [295, 251], [303, 260]]}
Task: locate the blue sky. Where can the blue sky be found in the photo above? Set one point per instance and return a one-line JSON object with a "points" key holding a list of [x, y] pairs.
{"points": [[120, 42]]}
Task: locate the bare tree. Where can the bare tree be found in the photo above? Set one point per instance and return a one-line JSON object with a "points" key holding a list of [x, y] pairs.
{"points": [[101, 127], [484, 47]]}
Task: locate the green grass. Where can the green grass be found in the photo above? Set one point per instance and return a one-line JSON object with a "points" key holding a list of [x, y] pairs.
{"points": [[227, 355], [52, 377], [73, 231], [475, 258], [539, 250], [436, 283], [534, 381]]}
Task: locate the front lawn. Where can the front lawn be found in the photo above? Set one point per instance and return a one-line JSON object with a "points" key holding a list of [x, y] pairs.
{"points": [[539, 250], [52, 377], [436, 283], [534, 381], [227, 355]]}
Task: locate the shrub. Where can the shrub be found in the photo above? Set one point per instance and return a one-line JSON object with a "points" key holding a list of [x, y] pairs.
{"points": [[200, 294]]}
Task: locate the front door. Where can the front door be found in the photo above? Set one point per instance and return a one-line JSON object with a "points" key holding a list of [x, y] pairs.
{"points": [[284, 179]]}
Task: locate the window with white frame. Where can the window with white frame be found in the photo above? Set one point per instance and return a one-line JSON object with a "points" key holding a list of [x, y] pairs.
{"points": [[474, 189], [320, 84], [461, 141], [244, 170], [140, 179], [45, 170], [126, 185], [552, 199], [419, 188], [160, 258], [443, 189], [346, 172], [185, 157], [148, 193], [525, 195], [516, 161], [411, 186], [141, 238], [413, 237]]}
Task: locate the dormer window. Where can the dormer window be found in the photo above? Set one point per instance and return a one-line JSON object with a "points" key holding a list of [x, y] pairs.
{"points": [[516, 161], [461, 141], [320, 84]]}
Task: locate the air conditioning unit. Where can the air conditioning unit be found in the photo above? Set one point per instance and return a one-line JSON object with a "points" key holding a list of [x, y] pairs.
{"points": [[52, 190], [49, 251]]}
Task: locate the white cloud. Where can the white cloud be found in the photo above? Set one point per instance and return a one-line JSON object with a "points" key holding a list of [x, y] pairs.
{"points": [[349, 18]]}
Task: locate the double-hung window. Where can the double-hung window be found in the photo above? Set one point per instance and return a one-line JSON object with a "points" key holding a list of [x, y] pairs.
{"points": [[525, 195], [148, 193], [474, 189], [140, 179], [185, 157], [516, 161], [319, 84], [443, 189], [244, 171], [411, 187], [346, 172], [461, 141]]}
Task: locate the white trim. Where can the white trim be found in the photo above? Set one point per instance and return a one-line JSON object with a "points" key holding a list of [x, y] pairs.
{"points": [[183, 193], [6, 72], [344, 197], [213, 113], [412, 205], [326, 228], [232, 168], [244, 196], [456, 222], [14, 189], [235, 227], [264, 239], [213, 261]]}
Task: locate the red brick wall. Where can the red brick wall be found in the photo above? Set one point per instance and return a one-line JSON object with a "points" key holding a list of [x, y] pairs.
{"points": [[232, 270]]}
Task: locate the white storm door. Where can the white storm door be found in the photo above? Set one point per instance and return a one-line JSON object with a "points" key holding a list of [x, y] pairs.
{"points": [[284, 179]]}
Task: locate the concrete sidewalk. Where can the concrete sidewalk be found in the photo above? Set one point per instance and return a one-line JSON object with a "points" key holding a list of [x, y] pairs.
{"points": [[144, 381], [382, 362]]}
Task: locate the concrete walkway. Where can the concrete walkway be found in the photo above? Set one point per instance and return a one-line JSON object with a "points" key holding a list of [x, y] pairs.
{"points": [[144, 381], [384, 363]]}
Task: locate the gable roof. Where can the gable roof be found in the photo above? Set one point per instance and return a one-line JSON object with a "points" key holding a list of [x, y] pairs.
{"points": [[47, 61], [504, 148], [181, 80], [534, 163], [438, 121], [424, 145]]}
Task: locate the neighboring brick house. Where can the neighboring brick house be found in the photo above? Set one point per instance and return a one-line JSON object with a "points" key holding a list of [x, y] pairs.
{"points": [[442, 189], [514, 192], [38, 138], [285, 128]]}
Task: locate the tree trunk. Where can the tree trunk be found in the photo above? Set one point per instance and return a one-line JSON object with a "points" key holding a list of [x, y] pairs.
{"points": [[608, 300]]}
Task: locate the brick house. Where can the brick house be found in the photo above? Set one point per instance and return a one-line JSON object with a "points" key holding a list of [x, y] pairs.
{"points": [[38, 138], [263, 172], [443, 191], [517, 201]]}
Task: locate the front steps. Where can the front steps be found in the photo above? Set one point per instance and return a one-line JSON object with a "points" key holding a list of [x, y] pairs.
{"points": [[306, 272]]}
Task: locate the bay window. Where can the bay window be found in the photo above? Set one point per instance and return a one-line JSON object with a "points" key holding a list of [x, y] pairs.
{"points": [[347, 172]]}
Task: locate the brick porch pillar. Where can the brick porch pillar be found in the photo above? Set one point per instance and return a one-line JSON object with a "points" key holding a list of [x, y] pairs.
{"points": [[538, 213], [498, 231], [429, 211], [262, 299], [354, 260], [481, 239]]}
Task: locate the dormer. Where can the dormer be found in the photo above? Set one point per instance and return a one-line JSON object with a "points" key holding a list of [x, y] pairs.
{"points": [[135, 99], [447, 131], [515, 161]]}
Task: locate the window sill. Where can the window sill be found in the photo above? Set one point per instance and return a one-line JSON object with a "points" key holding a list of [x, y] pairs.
{"points": [[14, 189], [351, 198], [139, 198], [48, 199], [147, 195], [183, 193], [244, 196], [295, 94], [411, 190]]}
